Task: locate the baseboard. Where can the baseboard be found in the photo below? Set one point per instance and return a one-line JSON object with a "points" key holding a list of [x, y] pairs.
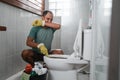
{"points": [[15, 76]]}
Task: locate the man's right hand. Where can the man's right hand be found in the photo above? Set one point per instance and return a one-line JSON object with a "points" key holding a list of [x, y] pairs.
{"points": [[37, 23], [43, 49]]}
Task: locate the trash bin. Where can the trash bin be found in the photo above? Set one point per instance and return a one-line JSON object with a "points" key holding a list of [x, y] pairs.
{"points": [[38, 77], [38, 72]]}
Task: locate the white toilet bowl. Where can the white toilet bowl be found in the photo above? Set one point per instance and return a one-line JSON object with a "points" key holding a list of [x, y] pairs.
{"points": [[62, 62], [62, 68], [58, 62], [59, 68]]}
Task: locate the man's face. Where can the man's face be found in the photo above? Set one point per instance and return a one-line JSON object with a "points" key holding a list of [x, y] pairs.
{"points": [[48, 17]]}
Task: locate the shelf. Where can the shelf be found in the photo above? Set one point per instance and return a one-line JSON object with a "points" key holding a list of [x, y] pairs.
{"points": [[3, 28]]}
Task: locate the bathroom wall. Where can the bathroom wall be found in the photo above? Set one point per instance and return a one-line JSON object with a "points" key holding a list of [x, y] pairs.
{"points": [[13, 41], [79, 9], [56, 43]]}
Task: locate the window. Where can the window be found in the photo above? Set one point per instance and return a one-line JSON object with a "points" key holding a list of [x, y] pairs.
{"points": [[59, 6], [107, 7], [34, 6]]}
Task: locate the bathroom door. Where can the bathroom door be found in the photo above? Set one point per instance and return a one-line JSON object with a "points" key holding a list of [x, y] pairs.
{"points": [[101, 13]]}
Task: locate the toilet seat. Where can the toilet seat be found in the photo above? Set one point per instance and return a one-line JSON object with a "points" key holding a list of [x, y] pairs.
{"points": [[69, 60], [58, 56]]}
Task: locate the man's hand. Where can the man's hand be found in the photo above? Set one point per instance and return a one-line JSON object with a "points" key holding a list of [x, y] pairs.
{"points": [[43, 49], [37, 23]]}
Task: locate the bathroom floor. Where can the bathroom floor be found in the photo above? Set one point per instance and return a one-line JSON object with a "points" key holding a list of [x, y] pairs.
{"points": [[18, 76]]}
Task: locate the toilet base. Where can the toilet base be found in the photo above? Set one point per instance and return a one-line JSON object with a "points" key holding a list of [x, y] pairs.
{"points": [[62, 75]]}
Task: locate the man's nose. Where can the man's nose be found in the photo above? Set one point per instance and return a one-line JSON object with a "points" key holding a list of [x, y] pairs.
{"points": [[49, 20]]}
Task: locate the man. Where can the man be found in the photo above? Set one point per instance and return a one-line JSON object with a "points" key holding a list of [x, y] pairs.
{"points": [[40, 38]]}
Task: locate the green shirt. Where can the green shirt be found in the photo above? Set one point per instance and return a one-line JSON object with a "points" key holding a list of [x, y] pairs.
{"points": [[42, 35]]}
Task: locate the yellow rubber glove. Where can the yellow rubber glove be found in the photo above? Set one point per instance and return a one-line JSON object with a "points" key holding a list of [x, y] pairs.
{"points": [[37, 23], [43, 49]]}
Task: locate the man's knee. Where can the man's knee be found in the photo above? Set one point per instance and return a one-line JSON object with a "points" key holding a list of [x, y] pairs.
{"points": [[24, 53], [27, 55]]}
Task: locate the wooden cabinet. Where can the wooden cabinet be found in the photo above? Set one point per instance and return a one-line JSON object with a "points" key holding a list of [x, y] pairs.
{"points": [[34, 6]]}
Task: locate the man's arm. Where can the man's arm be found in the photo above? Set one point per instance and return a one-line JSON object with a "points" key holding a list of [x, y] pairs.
{"points": [[37, 23], [30, 42], [52, 25]]}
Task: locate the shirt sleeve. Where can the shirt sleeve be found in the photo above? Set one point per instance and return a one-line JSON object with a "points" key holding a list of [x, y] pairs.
{"points": [[54, 30]]}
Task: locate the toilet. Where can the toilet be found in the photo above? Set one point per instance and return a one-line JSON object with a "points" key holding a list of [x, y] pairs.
{"points": [[64, 67]]}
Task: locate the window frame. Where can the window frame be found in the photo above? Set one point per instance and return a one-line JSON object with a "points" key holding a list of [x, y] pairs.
{"points": [[27, 5]]}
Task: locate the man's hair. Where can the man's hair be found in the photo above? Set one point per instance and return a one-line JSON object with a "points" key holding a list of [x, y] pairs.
{"points": [[45, 12]]}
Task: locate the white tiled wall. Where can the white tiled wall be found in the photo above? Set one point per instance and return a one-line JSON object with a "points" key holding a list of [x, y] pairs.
{"points": [[12, 41], [79, 10]]}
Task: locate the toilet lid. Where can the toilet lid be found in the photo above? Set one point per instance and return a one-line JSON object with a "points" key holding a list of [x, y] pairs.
{"points": [[59, 56]]}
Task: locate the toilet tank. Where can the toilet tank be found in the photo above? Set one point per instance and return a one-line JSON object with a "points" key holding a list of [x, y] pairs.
{"points": [[87, 46]]}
